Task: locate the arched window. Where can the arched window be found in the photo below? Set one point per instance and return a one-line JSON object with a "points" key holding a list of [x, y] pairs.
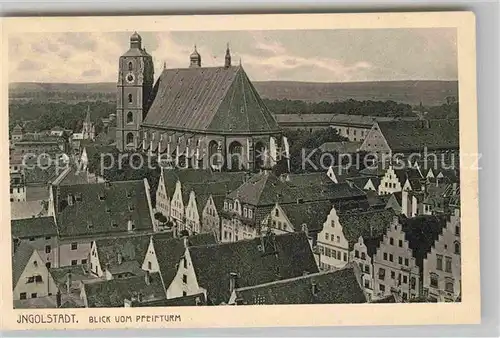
{"points": [[457, 248], [130, 117], [130, 98], [235, 155], [130, 138], [130, 66]]}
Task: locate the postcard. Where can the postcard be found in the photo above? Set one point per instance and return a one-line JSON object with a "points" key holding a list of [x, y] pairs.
{"points": [[240, 171]]}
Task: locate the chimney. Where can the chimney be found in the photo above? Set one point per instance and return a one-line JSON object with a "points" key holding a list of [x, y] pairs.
{"points": [[68, 282], [314, 288], [147, 278], [119, 258], [58, 298], [233, 281]]}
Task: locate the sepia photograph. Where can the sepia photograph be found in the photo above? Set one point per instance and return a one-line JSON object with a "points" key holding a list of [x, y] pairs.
{"points": [[183, 169]]}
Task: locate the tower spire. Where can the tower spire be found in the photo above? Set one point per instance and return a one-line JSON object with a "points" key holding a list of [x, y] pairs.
{"points": [[227, 61], [195, 58]]}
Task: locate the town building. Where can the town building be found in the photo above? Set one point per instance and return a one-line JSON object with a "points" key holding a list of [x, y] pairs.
{"points": [[246, 208], [41, 234], [342, 229], [117, 209], [332, 287], [407, 137], [353, 127], [112, 293], [30, 277], [197, 116], [88, 128], [398, 262], [216, 270], [442, 280], [396, 180], [164, 254]]}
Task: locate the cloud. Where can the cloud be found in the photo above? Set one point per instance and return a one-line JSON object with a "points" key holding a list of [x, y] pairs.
{"points": [[325, 55]]}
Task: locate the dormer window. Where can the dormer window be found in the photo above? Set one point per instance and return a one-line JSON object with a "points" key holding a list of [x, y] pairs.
{"points": [[114, 224], [90, 225], [101, 197], [225, 205], [108, 210], [129, 194], [78, 197], [131, 207]]}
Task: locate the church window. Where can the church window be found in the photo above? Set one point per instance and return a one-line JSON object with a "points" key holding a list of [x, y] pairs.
{"points": [[130, 66], [130, 98], [130, 138], [130, 117]]}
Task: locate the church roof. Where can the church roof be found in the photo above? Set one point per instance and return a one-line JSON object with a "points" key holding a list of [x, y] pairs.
{"points": [[210, 99]]}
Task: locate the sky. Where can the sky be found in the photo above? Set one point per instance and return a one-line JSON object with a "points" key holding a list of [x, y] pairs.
{"points": [[286, 55]]}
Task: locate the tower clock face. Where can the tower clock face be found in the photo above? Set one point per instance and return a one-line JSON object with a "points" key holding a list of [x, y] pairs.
{"points": [[130, 77]]}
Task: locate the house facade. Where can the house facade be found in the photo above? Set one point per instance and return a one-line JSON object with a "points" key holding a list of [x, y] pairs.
{"points": [[31, 278], [442, 265]]}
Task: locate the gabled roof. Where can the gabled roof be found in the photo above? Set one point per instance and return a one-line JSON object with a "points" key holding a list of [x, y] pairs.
{"points": [[421, 232], [112, 293], [33, 227], [70, 176], [416, 135], [27, 209], [340, 147], [131, 248], [169, 252], [264, 189], [213, 263], [312, 214], [42, 175], [101, 208], [333, 287], [407, 174], [368, 224], [213, 99], [191, 300], [20, 259], [305, 179]]}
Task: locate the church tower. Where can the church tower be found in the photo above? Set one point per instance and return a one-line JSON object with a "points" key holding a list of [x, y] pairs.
{"points": [[88, 127], [135, 83]]}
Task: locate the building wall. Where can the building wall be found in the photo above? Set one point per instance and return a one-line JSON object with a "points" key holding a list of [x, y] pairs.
{"points": [[177, 207], [47, 248], [332, 244], [43, 288], [359, 254], [162, 199], [395, 258], [192, 215], [150, 261], [353, 133], [95, 265], [278, 221], [184, 282], [375, 142], [68, 256], [389, 183], [210, 218], [18, 193], [442, 273]]}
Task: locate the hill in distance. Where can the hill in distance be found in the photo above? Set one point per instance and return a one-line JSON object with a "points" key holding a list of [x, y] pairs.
{"points": [[411, 92]]}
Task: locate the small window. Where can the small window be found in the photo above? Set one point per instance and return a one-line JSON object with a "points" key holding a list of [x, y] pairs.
{"points": [[276, 213], [439, 262], [400, 243], [381, 273], [400, 260], [407, 262], [393, 275], [48, 265], [74, 262], [457, 248], [184, 262], [130, 66], [30, 280], [457, 230], [391, 241], [345, 257], [74, 246], [434, 280], [84, 261], [363, 255], [184, 293], [382, 288], [326, 236], [405, 279], [356, 253], [149, 266], [448, 286], [184, 279], [22, 295], [48, 237], [448, 264], [391, 258], [130, 98], [47, 249], [385, 256], [33, 295]]}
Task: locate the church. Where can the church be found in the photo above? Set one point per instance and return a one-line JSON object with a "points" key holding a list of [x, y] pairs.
{"points": [[199, 117]]}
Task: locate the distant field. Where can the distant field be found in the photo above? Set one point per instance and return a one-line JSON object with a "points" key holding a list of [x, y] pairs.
{"points": [[410, 92]]}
